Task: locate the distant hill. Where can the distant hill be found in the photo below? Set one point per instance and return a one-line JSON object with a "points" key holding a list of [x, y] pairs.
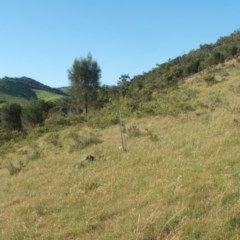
{"points": [[24, 88], [65, 89]]}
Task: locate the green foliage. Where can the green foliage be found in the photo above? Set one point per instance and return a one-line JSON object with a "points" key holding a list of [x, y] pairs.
{"points": [[48, 96], [6, 98], [172, 72], [15, 87], [57, 121], [57, 115], [193, 67], [6, 135], [84, 76], [234, 222], [36, 132], [109, 114], [104, 118], [35, 111], [218, 58], [11, 116], [123, 84], [174, 102], [105, 94], [233, 50]]}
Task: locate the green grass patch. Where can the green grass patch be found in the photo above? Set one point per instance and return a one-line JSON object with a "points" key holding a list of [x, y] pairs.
{"points": [[48, 96]]}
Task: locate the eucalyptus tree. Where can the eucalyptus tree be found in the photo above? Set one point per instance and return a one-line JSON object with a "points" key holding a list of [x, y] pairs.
{"points": [[84, 76]]}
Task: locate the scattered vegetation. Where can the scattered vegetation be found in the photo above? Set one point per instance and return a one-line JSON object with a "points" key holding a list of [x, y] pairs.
{"points": [[133, 131], [83, 140], [210, 79], [13, 170], [178, 178], [35, 111]]}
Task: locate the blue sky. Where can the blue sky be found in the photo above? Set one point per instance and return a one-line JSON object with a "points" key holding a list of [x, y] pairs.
{"points": [[41, 39]]}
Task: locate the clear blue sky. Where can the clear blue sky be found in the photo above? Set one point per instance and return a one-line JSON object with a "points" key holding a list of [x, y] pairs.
{"points": [[40, 39]]}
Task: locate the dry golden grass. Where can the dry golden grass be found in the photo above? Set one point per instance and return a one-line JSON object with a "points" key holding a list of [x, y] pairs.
{"points": [[178, 178]]}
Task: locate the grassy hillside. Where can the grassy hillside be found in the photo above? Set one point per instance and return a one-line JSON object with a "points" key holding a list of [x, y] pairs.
{"points": [[39, 94], [178, 178], [11, 99], [174, 71], [22, 89], [47, 96], [65, 89]]}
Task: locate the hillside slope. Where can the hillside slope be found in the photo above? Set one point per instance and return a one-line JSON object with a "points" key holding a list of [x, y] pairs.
{"points": [[178, 178], [23, 89], [176, 70]]}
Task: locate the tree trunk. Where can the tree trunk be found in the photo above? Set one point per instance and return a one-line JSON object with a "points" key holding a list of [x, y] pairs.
{"points": [[86, 103]]}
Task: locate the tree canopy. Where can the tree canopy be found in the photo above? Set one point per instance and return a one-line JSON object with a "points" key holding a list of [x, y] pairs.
{"points": [[84, 76]]}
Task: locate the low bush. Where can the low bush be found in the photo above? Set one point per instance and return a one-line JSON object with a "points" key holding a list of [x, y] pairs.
{"points": [[6, 135], [109, 114], [133, 131], [53, 138], [83, 140], [210, 80], [173, 103], [14, 170]]}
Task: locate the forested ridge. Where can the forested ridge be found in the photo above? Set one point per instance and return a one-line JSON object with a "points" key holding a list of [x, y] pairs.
{"points": [[175, 70], [24, 87]]}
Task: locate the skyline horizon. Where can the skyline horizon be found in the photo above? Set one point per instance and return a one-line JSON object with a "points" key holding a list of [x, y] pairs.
{"points": [[144, 72], [41, 40]]}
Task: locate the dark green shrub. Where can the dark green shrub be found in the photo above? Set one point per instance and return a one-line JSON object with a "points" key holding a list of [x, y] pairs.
{"points": [[109, 114], [174, 102], [11, 116], [234, 50], [35, 111], [57, 121]]}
